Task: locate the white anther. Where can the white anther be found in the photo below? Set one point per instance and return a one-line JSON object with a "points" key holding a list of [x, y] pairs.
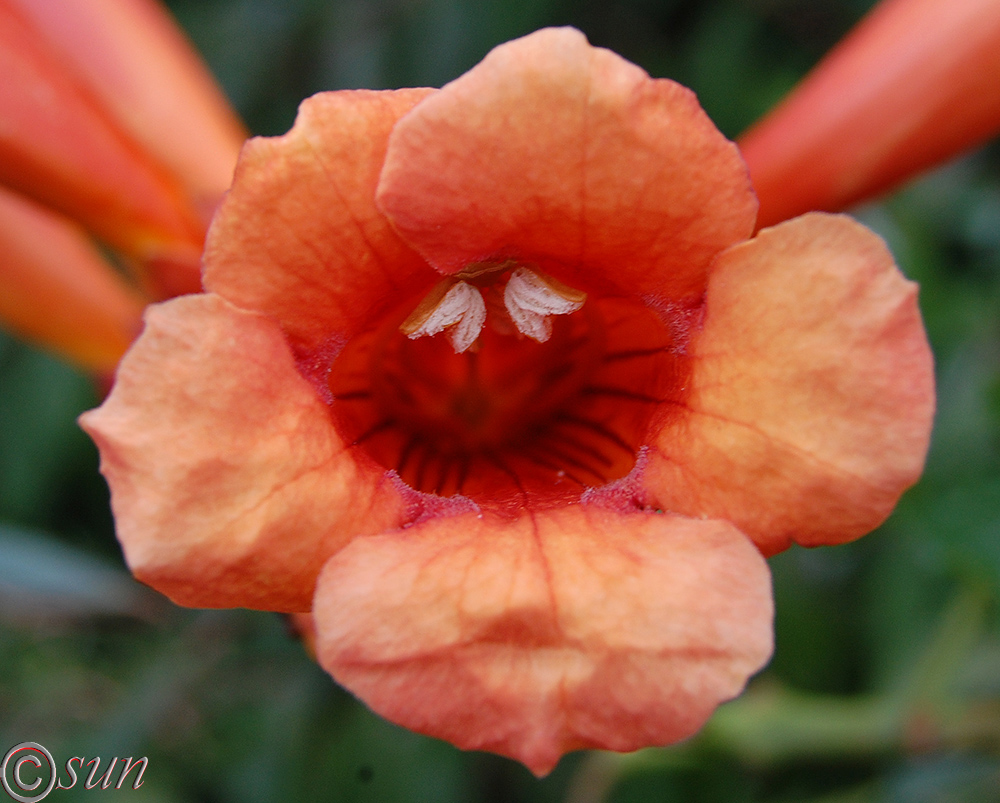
{"points": [[531, 301], [462, 309]]}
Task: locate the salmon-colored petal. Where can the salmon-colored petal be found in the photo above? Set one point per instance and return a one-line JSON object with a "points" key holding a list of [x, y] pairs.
{"points": [[229, 484], [812, 393], [559, 153], [299, 237], [564, 629], [59, 146], [914, 84], [133, 56], [57, 290]]}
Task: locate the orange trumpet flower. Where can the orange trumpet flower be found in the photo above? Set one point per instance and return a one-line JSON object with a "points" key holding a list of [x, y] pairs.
{"points": [[492, 379], [914, 84]]}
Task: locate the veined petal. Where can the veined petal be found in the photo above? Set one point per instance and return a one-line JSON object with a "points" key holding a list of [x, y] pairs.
{"points": [[57, 290], [132, 55], [299, 237], [812, 393], [59, 146], [229, 484], [913, 85], [558, 153], [567, 628]]}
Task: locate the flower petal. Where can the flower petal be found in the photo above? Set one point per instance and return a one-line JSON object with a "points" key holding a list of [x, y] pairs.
{"points": [[812, 394], [299, 237], [57, 289], [914, 84], [229, 483], [559, 153], [570, 628]]}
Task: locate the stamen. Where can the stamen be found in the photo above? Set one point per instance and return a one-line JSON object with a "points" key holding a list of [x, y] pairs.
{"points": [[532, 298], [460, 303], [457, 307]]}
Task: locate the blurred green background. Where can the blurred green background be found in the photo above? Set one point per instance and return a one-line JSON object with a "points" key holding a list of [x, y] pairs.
{"points": [[885, 685]]}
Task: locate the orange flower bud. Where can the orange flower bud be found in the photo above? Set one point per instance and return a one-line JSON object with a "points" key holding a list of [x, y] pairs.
{"points": [[56, 289], [913, 85], [60, 146], [108, 117], [135, 59]]}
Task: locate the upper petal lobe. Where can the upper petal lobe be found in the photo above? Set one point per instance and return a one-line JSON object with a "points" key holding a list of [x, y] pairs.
{"points": [[556, 152], [299, 237]]}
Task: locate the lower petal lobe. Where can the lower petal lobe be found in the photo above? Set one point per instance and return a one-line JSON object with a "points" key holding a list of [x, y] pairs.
{"points": [[567, 628], [229, 484], [812, 390]]}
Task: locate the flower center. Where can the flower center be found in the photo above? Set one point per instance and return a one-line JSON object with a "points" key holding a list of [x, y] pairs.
{"points": [[520, 395]]}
